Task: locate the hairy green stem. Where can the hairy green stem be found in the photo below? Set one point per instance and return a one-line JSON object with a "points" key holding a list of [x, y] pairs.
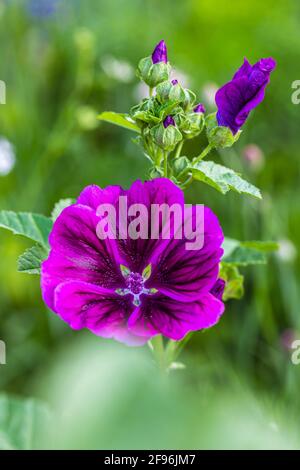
{"points": [[157, 347], [166, 164], [178, 150], [187, 182], [202, 154]]}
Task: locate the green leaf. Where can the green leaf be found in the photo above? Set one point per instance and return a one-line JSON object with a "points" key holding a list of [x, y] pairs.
{"points": [[246, 253], [234, 288], [34, 226], [30, 261], [122, 120], [222, 178], [60, 206], [22, 423]]}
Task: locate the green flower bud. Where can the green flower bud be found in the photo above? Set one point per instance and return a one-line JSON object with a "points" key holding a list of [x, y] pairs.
{"points": [[166, 135], [180, 164], [155, 172], [189, 99], [153, 74], [170, 91], [144, 113], [219, 136], [192, 125]]}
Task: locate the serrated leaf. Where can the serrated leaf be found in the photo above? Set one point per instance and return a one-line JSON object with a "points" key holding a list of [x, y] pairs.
{"points": [[119, 119], [234, 287], [223, 179], [60, 206], [246, 253], [37, 227], [22, 423], [30, 261]]}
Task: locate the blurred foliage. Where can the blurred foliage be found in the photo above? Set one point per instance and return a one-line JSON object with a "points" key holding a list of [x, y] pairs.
{"points": [[64, 67]]}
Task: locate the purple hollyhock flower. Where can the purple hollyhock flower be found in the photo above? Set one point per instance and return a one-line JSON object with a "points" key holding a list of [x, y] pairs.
{"points": [[168, 121], [199, 108], [160, 53], [101, 285], [243, 93]]}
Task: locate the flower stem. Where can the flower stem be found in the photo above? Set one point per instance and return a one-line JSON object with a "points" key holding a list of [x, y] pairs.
{"points": [[165, 164], [187, 182], [178, 150], [157, 346], [202, 154], [150, 92]]}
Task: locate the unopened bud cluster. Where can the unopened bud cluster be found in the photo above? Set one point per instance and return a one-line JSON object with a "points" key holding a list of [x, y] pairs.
{"points": [[171, 114]]}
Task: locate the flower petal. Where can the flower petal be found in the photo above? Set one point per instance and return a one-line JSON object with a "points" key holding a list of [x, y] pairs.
{"points": [[184, 274], [92, 196], [243, 93], [159, 191], [83, 305], [175, 319], [77, 253]]}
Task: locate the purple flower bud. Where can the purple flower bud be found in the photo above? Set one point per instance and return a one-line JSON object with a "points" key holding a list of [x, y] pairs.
{"points": [[200, 108], [243, 93], [160, 53], [169, 121], [174, 82]]}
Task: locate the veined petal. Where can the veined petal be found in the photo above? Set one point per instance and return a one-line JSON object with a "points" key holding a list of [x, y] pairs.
{"points": [[175, 319], [184, 274], [84, 305], [77, 253]]}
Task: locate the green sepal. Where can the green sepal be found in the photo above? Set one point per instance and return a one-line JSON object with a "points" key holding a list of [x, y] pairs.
{"points": [[166, 138], [153, 74], [219, 136]]}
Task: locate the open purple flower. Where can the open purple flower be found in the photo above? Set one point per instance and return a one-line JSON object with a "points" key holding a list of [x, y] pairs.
{"points": [[132, 289], [160, 53], [243, 93]]}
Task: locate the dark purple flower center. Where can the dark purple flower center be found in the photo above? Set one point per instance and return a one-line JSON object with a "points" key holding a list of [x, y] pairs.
{"points": [[169, 121], [135, 286], [135, 283], [174, 81]]}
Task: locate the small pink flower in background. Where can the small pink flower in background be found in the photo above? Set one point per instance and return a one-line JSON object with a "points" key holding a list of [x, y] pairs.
{"points": [[132, 289], [254, 157], [287, 338]]}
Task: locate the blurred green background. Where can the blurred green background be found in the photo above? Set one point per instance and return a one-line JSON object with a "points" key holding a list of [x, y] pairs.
{"points": [[65, 61]]}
